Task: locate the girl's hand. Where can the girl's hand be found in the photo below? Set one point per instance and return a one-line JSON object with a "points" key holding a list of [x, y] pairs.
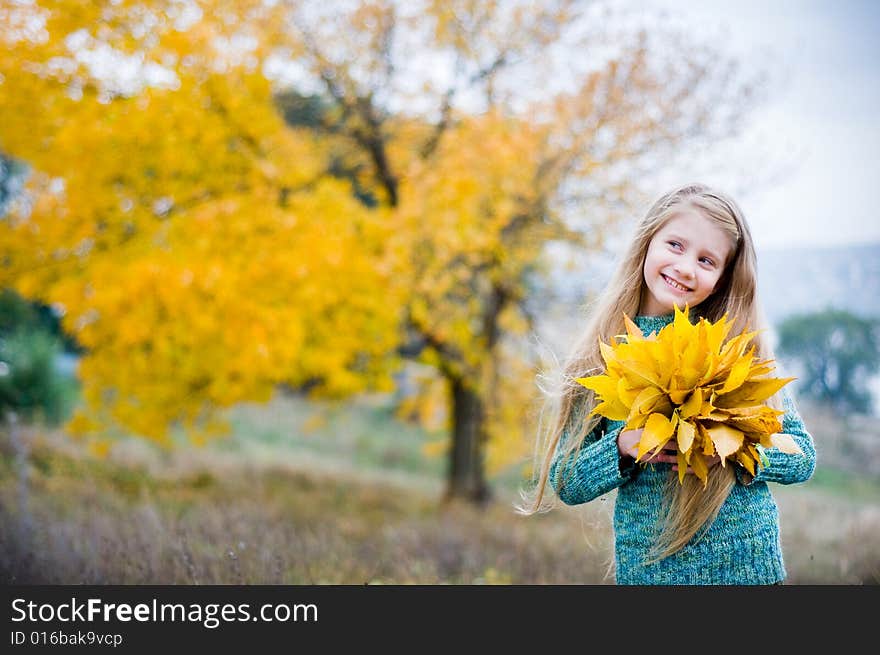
{"points": [[628, 446]]}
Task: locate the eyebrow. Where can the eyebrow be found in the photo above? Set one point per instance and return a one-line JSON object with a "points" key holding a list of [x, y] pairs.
{"points": [[718, 258]]}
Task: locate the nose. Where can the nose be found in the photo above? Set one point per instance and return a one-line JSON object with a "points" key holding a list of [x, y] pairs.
{"points": [[684, 269]]}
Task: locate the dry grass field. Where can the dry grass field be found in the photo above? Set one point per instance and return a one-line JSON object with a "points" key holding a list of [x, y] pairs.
{"points": [[309, 494]]}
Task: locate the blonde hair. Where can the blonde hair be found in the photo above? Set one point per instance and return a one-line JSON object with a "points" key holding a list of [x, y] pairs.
{"points": [[688, 506]]}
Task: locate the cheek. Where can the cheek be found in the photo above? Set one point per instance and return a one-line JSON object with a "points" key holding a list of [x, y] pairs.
{"points": [[653, 262], [646, 266], [711, 281]]}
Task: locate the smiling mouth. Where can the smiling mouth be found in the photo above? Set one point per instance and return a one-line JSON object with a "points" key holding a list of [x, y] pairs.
{"points": [[672, 283]]}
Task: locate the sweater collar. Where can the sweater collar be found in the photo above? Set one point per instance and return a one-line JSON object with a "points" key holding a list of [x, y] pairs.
{"points": [[649, 324]]}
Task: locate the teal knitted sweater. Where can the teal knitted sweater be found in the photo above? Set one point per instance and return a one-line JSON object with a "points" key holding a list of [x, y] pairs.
{"points": [[740, 547]]}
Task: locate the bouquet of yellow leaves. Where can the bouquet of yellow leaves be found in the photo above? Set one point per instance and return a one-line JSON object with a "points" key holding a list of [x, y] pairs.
{"points": [[686, 382]]}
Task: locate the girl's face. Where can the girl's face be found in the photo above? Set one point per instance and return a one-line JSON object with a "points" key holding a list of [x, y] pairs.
{"points": [[684, 262]]}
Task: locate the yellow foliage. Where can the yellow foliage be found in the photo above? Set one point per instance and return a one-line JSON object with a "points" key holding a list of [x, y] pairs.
{"points": [[99, 449], [436, 448], [427, 405], [688, 384], [510, 418], [316, 421], [199, 249]]}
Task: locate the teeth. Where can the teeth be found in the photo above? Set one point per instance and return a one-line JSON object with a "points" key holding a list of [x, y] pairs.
{"points": [[675, 284]]}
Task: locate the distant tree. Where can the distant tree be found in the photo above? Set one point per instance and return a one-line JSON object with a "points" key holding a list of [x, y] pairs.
{"points": [[30, 341], [839, 352], [18, 314], [30, 385]]}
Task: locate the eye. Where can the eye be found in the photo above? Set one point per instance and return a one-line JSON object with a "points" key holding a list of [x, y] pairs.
{"points": [[674, 244], [708, 261]]}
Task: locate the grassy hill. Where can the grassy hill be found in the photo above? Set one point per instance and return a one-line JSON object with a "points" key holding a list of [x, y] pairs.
{"points": [[305, 493]]}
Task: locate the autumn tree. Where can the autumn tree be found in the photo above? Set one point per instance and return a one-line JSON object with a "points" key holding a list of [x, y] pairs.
{"points": [[205, 250], [487, 148], [200, 251]]}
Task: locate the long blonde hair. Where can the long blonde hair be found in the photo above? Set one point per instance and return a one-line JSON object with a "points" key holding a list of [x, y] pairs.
{"points": [[688, 506]]}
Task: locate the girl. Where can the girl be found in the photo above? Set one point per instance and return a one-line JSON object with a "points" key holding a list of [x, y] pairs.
{"points": [[693, 248]]}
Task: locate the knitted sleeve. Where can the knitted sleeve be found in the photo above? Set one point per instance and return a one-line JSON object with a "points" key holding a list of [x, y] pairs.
{"points": [[786, 468], [593, 470]]}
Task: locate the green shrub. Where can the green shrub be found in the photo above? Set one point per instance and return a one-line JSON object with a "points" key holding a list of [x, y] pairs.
{"points": [[30, 385]]}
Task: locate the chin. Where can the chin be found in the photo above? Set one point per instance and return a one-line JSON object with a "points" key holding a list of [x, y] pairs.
{"points": [[671, 301]]}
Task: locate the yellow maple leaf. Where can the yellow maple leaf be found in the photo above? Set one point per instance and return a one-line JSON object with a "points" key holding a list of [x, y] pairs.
{"points": [[658, 430]]}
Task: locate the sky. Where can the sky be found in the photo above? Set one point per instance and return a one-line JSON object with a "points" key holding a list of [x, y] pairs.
{"points": [[806, 168], [819, 123]]}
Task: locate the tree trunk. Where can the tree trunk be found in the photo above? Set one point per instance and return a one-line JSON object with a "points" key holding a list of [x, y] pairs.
{"points": [[466, 479]]}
